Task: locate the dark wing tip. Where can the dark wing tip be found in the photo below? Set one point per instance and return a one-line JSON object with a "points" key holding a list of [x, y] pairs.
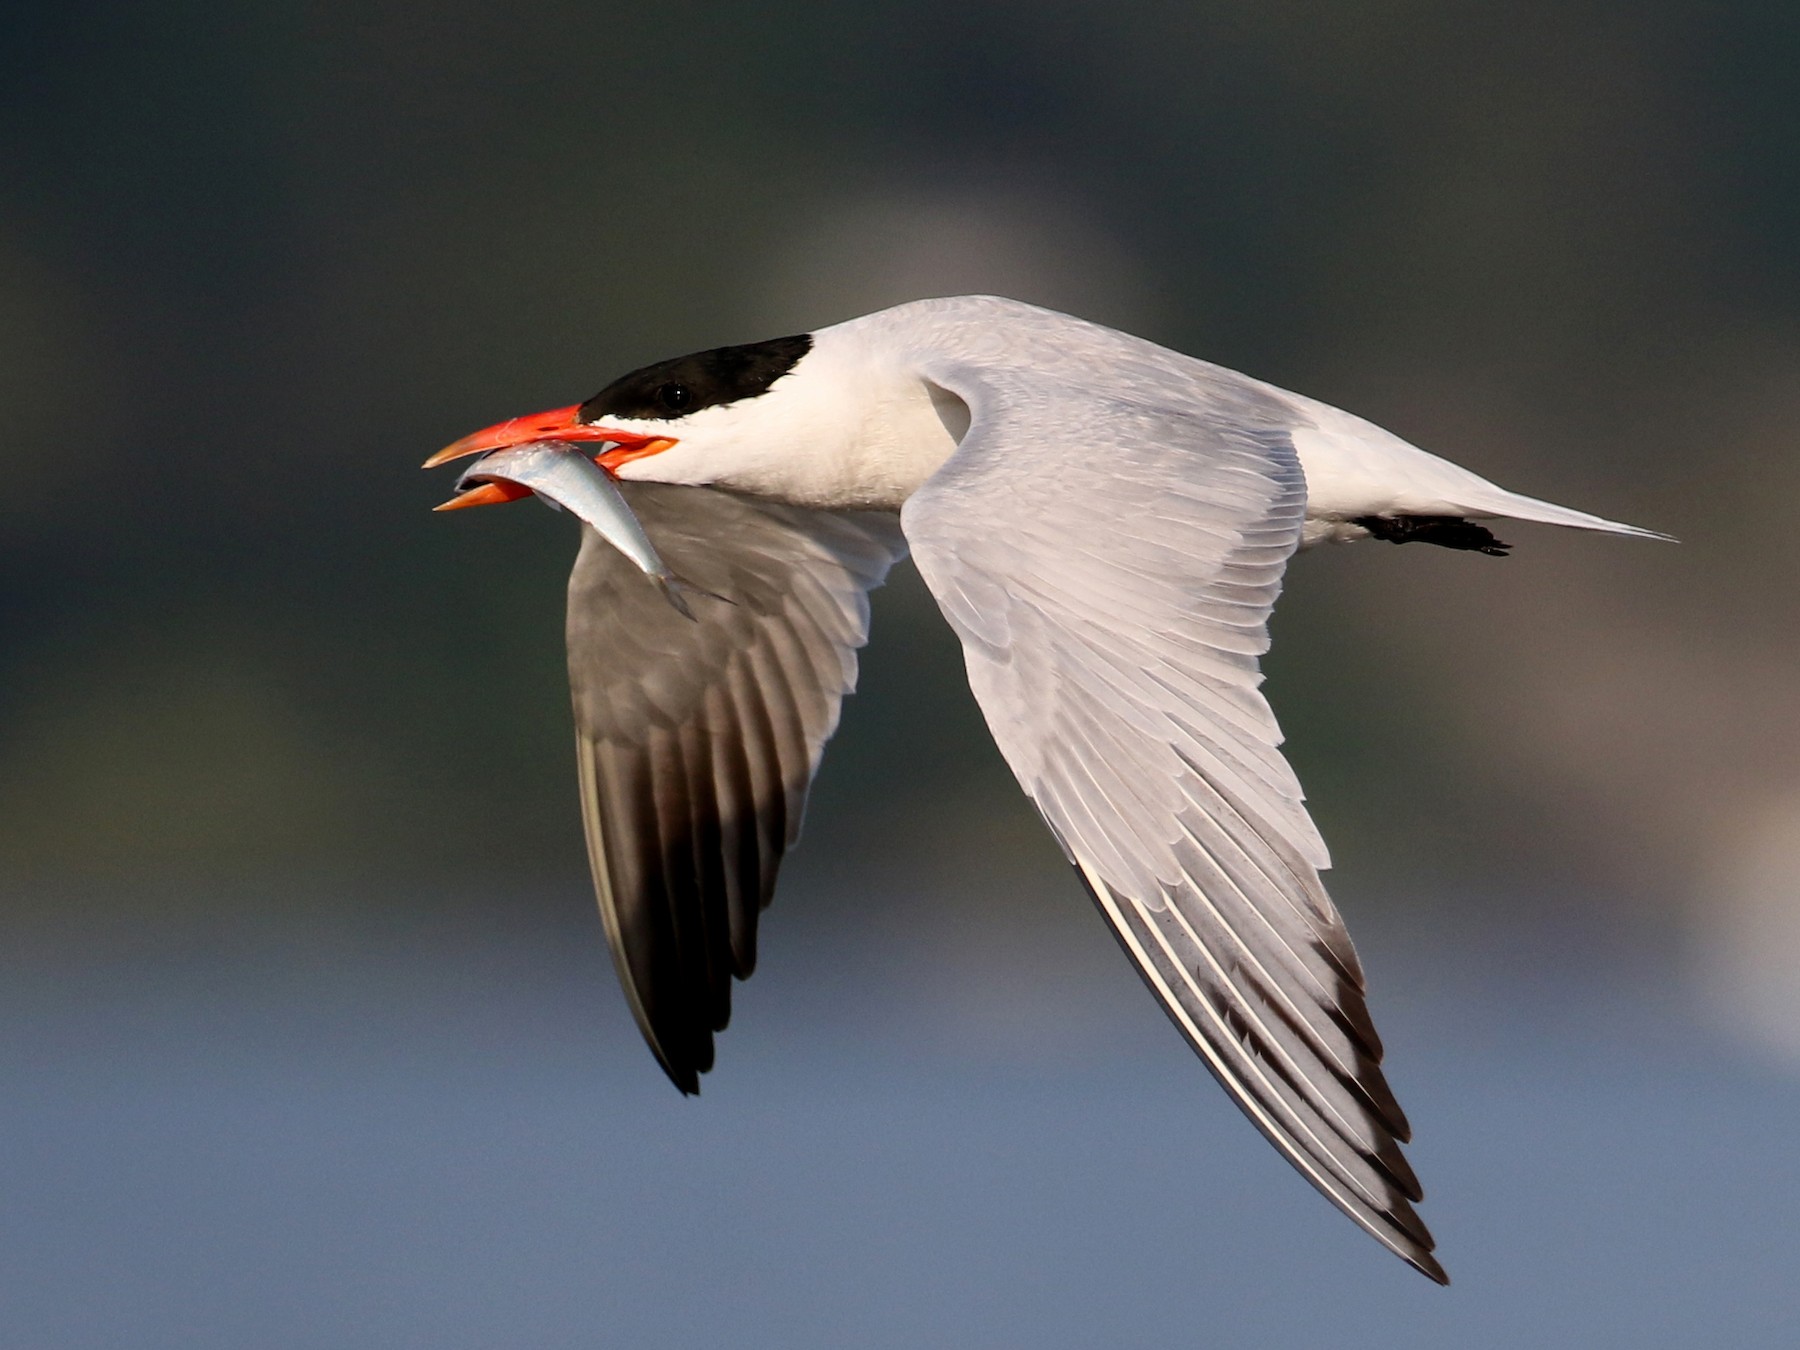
{"points": [[1427, 1265], [683, 1070], [1397, 1226]]}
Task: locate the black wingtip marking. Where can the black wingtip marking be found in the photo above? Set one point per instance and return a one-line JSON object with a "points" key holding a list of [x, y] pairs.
{"points": [[683, 1076], [1444, 531]]}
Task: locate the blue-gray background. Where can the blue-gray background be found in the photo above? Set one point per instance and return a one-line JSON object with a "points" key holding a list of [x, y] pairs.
{"points": [[309, 1037]]}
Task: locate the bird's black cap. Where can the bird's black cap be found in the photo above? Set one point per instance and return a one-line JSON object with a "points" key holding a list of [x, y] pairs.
{"points": [[686, 384]]}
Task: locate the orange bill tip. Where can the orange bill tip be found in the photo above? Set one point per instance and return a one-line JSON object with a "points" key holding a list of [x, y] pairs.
{"points": [[485, 494]]}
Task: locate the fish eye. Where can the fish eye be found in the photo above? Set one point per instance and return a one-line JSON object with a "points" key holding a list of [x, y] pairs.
{"points": [[674, 396]]}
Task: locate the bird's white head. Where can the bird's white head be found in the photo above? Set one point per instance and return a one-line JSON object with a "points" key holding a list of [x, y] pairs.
{"points": [[822, 419]]}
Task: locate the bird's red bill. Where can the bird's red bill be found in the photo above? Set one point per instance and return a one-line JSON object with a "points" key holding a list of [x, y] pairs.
{"points": [[559, 424]]}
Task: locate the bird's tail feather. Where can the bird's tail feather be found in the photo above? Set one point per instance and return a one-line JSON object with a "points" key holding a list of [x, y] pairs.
{"points": [[1497, 501]]}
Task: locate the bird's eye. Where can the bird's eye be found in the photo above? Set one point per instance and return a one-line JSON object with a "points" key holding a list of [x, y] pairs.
{"points": [[674, 397]]}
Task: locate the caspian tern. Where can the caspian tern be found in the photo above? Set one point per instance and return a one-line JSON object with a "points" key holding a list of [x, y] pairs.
{"points": [[1105, 524]]}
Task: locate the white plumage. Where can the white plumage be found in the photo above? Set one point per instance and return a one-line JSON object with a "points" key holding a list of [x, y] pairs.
{"points": [[1105, 524]]}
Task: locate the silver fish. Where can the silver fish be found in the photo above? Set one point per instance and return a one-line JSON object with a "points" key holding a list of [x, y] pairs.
{"points": [[564, 476]]}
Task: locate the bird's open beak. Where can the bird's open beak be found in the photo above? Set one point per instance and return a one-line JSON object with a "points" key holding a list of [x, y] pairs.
{"points": [[559, 424]]}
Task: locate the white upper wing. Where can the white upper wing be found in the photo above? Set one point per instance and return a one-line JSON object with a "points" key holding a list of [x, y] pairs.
{"points": [[1109, 552], [696, 741]]}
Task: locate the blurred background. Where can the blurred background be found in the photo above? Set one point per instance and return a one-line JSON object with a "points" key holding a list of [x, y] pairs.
{"points": [[309, 1034]]}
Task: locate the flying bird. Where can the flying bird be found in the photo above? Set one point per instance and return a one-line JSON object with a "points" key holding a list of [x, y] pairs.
{"points": [[1104, 523]]}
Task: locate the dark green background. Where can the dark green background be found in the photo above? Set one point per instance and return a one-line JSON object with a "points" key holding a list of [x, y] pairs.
{"points": [[258, 260]]}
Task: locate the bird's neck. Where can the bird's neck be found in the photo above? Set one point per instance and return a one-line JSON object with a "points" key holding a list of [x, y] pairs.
{"points": [[896, 429]]}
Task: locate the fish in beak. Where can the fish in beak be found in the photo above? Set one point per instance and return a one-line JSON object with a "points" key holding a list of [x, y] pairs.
{"points": [[541, 455]]}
